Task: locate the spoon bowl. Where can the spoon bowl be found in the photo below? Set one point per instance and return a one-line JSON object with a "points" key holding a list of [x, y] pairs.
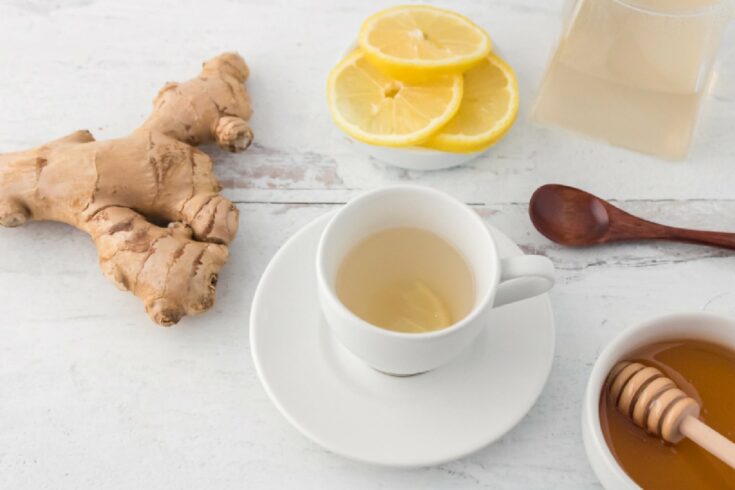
{"points": [[569, 216]]}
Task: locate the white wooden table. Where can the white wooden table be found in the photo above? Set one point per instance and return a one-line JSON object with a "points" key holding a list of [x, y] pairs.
{"points": [[92, 395]]}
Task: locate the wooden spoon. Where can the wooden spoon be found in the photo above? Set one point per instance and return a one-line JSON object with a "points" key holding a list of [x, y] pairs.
{"points": [[574, 217]]}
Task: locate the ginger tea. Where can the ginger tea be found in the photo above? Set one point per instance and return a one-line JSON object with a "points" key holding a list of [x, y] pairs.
{"points": [[407, 280], [633, 72]]}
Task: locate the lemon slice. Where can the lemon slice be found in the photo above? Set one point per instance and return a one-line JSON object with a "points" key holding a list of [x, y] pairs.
{"points": [[419, 309], [415, 42], [376, 109], [488, 109]]}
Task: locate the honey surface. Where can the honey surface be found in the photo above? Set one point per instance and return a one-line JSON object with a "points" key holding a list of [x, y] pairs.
{"points": [[705, 372]]}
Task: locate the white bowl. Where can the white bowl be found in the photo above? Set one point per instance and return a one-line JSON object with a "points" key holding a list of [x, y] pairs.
{"points": [[414, 158], [700, 326]]}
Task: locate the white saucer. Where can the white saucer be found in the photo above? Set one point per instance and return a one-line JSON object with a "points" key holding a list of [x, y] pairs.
{"points": [[352, 410]]}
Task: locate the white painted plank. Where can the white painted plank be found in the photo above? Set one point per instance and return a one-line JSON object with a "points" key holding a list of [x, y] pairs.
{"points": [[95, 395], [97, 65]]}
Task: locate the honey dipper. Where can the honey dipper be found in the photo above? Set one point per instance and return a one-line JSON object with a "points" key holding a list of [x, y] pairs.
{"points": [[656, 404]]}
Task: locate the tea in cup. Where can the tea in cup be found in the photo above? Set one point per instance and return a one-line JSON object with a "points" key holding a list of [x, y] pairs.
{"points": [[407, 274], [406, 279]]}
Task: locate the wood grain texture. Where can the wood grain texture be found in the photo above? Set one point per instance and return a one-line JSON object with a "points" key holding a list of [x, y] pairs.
{"points": [[93, 395]]}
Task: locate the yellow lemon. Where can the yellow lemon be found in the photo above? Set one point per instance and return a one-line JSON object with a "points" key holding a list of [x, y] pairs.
{"points": [[376, 109], [419, 309], [488, 109], [418, 43]]}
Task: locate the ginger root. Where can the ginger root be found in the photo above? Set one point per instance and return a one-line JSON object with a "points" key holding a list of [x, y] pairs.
{"points": [[150, 201]]}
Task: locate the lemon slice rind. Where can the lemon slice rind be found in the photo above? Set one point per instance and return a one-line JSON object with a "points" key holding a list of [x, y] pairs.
{"points": [[417, 68], [451, 140], [451, 82]]}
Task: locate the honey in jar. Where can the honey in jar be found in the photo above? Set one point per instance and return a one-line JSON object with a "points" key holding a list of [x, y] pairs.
{"points": [[704, 371]]}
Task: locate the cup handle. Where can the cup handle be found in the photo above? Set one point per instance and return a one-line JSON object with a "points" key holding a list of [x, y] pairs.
{"points": [[523, 277]]}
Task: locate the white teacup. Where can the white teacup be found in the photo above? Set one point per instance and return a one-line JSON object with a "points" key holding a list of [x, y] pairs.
{"points": [[497, 281]]}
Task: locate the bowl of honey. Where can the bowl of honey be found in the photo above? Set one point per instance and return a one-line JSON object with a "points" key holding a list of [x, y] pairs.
{"points": [[697, 352]]}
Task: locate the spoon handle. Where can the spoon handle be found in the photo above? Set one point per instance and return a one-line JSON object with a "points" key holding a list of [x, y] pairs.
{"points": [[714, 238], [628, 226]]}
